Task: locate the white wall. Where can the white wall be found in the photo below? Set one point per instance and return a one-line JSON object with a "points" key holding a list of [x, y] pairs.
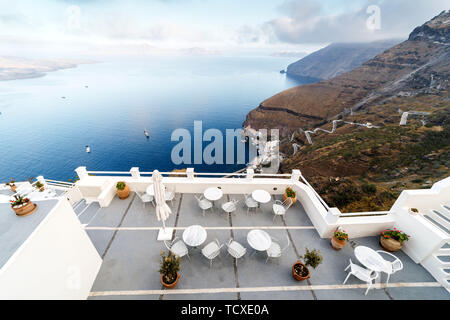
{"points": [[57, 261]]}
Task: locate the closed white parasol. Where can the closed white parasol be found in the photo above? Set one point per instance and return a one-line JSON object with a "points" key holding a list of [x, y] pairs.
{"points": [[162, 209]]}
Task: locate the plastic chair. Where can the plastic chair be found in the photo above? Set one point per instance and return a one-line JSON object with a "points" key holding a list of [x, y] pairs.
{"points": [[275, 250], [396, 265], [212, 250], [177, 247], [362, 274], [204, 204], [280, 208], [250, 203], [230, 206], [145, 198], [235, 249]]}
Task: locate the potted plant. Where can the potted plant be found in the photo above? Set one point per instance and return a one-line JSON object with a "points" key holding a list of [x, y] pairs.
{"points": [[312, 258], [392, 239], [39, 186], [123, 191], [169, 267], [12, 185], [290, 193], [339, 238], [23, 206]]}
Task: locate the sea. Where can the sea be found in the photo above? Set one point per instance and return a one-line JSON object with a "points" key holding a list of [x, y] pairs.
{"points": [[47, 122]]}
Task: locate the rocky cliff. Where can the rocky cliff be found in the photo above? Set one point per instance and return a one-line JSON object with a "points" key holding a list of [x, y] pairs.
{"points": [[337, 58]]}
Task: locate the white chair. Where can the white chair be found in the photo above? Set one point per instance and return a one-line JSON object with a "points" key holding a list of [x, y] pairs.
{"points": [[280, 208], [235, 249], [170, 195], [275, 250], [177, 247], [250, 203], [395, 265], [362, 274], [212, 250], [204, 204], [145, 198], [230, 206]]}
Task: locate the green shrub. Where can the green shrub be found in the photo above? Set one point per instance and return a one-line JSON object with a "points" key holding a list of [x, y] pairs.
{"points": [[370, 189], [120, 185], [312, 258]]}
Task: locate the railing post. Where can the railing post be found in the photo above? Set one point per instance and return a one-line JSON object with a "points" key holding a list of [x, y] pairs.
{"points": [[135, 174], [296, 174], [41, 179], [250, 174], [81, 172], [190, 173]]}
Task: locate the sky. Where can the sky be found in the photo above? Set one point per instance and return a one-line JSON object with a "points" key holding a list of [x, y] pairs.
{"points": [[195, 27]]}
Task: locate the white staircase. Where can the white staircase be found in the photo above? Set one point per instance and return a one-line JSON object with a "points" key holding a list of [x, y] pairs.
{"points": [[438, 263]]}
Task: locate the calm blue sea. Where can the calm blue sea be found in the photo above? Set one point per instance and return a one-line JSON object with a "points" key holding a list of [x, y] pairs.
{"points": [[44, 134]]}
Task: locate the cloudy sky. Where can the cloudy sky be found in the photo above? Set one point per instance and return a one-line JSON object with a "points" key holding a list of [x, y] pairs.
{"points": [[89, 27]]}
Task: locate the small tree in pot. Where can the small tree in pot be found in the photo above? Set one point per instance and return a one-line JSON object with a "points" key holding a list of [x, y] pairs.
{"points": [[290, 193], [312, 258], [23, 206], [170, 265], [122, 190], [39, 186], [12, 185]]}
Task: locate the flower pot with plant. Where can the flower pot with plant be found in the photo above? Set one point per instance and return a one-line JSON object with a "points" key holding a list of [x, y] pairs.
{"points": [[169, 267], [39, 186], [122, 190], [23, 206], [12, 185], [339, 239], [392, 239], [312, 258], [290, 193]]}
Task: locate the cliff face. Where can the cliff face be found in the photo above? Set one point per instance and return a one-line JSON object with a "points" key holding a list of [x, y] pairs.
{"points": [[383, 76], [357, 168], [337, 58]]}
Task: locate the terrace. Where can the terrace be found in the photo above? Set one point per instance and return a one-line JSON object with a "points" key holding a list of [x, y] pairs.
{"points": [[124, 234]]}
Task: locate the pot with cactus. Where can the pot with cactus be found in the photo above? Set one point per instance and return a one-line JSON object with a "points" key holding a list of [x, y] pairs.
{"points": [[311, 258], [122, 190], [23, 206], [392, 239], [339, 239], [290, 193], [169, 269]]}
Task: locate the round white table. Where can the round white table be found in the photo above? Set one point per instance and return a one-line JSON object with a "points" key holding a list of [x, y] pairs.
{"points": [[151, 191], [259, 240], [371, 259], [213, 194], [261, 196], [194, 235]]}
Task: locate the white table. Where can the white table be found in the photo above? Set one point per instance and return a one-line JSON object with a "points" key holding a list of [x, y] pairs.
{"points": [[151, 191], [194, 235], [259, 240], [261, 196], [213, 194], [371, 259]]}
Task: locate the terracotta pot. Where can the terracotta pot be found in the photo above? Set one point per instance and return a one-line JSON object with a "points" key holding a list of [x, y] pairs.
{"points": [[391, 245], [26, 209], [123, 194], [294, 200], [41, 189], [172, 285], [337, 244], [13, 188], [297, 276]]}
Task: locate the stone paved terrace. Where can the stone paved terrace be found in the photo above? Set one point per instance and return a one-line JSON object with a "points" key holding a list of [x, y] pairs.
{"points": [[125, 236]]}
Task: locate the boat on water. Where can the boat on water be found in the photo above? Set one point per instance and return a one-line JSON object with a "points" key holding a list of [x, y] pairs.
{"points": [[146, 133], [88, 149]]}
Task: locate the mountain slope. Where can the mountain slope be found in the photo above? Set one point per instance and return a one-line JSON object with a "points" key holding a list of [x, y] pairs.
{"points": [[337, 58], [364, 169], [382, 76]]}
